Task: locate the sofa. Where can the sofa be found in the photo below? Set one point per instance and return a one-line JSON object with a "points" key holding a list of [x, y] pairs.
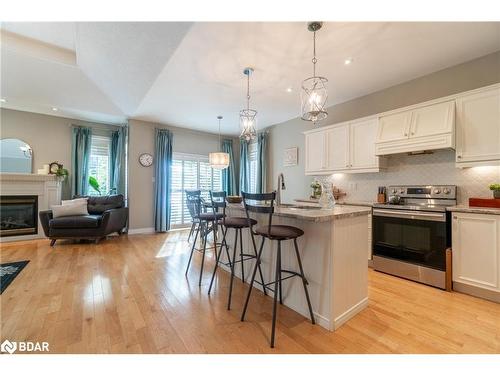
{"points": [[107, 214]]}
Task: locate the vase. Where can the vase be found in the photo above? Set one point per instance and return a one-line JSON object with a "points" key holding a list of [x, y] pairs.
{"points": [[496, 194], [327, 200]]}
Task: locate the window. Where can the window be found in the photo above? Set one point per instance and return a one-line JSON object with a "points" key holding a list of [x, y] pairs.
{"points": [[99, 168], [252, 161], [190, 172]]}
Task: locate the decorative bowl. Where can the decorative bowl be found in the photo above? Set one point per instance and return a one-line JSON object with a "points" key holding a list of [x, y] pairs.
{"points": [[234, 199]]}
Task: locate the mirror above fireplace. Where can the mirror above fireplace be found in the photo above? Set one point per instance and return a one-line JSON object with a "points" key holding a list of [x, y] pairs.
{"points": [[16, 156]]}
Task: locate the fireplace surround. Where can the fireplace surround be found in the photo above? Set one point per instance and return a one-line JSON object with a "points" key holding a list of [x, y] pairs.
{"points": [[46, 189]]}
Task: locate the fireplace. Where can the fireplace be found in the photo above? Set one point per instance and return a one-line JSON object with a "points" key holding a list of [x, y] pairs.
{"points": [[18, 215]]}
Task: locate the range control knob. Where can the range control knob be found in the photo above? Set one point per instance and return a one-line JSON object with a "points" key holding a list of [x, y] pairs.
{"points": [[437, 191], [394, 191], [446, 191], [402, 191]]}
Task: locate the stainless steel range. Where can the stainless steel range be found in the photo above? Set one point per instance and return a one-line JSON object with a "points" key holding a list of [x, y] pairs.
{"points": [[412, 232]]}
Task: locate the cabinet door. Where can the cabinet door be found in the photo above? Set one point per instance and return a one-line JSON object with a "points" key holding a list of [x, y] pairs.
{"points": [[394, 127], [478, 126], [476, 250], [337, 148], [433, 119], [362, 144], [315, 151]]}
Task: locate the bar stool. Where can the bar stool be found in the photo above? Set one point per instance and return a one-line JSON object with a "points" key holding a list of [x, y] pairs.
{"points": [[207, 223], [264, 203], [218, 200]]}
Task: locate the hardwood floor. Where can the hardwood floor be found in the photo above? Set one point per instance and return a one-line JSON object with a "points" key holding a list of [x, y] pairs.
{"points": [[130, 295]]}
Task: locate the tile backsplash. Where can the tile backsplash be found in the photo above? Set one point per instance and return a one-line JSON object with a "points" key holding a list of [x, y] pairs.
{"points": [[433, 169]]}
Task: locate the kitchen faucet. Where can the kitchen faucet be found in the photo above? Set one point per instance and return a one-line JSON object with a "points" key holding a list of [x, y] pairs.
{"points": [[281, 186]]}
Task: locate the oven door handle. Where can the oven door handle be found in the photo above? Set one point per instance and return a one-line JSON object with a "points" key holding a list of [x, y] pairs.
{"points": [[415, 215]]}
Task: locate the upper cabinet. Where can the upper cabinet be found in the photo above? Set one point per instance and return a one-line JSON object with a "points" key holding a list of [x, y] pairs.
{"points": [[315, 152], [423, 128], [347, 147], [478, 128]]}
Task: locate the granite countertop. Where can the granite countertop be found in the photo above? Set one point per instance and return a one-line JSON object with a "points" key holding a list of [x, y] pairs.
{"points": [[474, 210], [315, 214], [341, 202]]}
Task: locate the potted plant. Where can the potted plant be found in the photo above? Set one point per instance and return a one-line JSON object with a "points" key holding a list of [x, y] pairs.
{"points": [[94, 184], [496, 190], [62, 174]]}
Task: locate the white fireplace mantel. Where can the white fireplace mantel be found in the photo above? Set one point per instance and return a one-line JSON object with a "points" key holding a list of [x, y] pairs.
{"points": [[46, 187]]}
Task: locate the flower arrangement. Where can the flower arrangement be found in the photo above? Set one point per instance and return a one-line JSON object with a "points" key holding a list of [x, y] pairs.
{"points": [[316, 189]]}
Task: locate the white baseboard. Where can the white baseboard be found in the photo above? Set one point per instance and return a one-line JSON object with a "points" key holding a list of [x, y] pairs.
{"points": [[141, 231], [345, 316]]}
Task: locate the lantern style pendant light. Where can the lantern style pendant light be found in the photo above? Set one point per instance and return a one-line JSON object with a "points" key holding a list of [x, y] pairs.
{"points": [[219, 160], [313, 95], [247, 116]]}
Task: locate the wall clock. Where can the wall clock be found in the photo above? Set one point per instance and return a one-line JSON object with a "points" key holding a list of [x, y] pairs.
{"points": [[146, 160], [54, 167]]}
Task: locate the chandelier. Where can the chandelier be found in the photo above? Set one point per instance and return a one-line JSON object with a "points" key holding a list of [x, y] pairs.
{"points": [[219, 160], [313, 95], [247, 116]]}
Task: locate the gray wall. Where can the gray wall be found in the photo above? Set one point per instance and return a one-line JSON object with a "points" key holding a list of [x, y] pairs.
{"points": [[470, 75], [48, 136], [141, 179]]}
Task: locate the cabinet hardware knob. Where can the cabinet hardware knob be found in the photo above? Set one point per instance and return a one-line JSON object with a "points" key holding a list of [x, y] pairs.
{"points": [[459, 156], [406, 134], [455, 217], [412, 133]]}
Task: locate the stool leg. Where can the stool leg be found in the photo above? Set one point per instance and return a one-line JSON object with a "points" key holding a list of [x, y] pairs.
{"points": [[276, 282], [203, 256], [218, 254], [192, 249], [252, 280], [257, 263], [279, 265], [241, 257], [304, 281], [232, 269], [191, 231]]}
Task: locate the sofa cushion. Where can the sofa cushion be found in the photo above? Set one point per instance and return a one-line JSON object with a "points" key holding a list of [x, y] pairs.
{"points": [[72, 222], [97, 205]]}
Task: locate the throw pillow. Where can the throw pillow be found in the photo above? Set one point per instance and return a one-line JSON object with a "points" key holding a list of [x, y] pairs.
{"points": [[78, 209], [74, 201]]}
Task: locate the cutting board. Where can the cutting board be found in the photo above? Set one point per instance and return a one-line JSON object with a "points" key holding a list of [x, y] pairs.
{"points": [[484, 202]]}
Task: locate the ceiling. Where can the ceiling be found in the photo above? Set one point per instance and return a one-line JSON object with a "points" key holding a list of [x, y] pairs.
{"points": [[185, 74]]}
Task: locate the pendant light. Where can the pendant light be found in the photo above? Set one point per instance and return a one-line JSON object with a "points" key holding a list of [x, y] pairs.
{"points": [[219, 160], [247, 116], [313, 95]]}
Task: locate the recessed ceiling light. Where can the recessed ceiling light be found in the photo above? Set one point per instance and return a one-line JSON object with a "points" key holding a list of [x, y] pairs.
{"points": [[289, 89], [348, 61], [55, 109], [3, 100]]}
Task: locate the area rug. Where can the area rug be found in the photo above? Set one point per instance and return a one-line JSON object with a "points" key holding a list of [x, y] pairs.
{"points": [[9, 271]]}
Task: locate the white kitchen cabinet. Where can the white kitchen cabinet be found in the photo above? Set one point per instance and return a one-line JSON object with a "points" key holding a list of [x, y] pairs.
{"points": [[476, 251], [362, 145], [478, 128], [347, 147], [337, 148], [428, 127], [394, 127], [315, 152]]}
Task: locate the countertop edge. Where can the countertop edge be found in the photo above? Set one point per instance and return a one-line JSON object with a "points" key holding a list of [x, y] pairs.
{"points": [[474, 210]]}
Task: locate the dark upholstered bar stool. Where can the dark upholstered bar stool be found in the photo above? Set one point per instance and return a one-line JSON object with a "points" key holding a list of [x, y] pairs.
{"points": [[207, 223], [264, 203], [237, 223]]}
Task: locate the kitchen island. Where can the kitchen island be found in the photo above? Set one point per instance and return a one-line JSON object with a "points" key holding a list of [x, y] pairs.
{"points": [[333, 252]]}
